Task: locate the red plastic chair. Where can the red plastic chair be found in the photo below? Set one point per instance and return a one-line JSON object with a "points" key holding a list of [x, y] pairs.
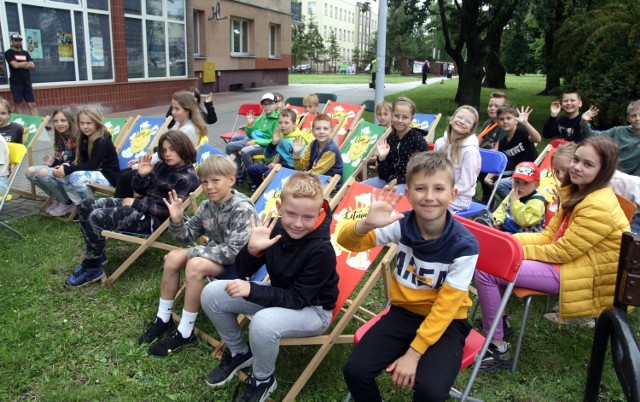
{"points": [[492, 243], [242, 111]]}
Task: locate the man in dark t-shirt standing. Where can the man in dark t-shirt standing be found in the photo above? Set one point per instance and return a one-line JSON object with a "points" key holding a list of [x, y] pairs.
{"points": [[20, 64]]}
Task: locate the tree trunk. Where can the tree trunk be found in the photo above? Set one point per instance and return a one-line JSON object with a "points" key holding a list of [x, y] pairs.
{"points": [[469, 83], [495, 72], [552, 81]]}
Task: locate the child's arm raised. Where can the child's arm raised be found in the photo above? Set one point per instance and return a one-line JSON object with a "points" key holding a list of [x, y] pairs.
{"points": [[523, 118]]}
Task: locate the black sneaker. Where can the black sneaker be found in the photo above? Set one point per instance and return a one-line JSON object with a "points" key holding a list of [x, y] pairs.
{"points": [[228, 368], [254, 392], [172, 344], [494, 359], [156, 330], [507, 329]]}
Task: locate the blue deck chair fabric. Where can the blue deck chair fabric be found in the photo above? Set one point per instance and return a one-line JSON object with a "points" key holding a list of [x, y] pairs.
{"points": [[493, 162], [143, 136]]}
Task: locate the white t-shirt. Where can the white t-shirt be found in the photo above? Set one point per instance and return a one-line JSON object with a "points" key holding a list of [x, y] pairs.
{"points": [[4, 158], [190, 130]]}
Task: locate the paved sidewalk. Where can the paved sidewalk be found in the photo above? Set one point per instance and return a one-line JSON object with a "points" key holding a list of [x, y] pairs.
{"points": [[226, 105]]}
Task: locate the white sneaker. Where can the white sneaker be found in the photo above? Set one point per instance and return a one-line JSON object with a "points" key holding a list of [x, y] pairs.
{"points": [[54, 204], [62, 210]]}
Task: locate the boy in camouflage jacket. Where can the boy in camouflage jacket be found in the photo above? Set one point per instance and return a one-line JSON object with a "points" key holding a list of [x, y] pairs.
{"points": [[225, 219]]}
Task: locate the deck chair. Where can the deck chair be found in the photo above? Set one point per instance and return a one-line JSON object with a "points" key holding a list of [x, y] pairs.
{"points": [[359, 145], [295, 101], [324, 97], [145, 241], [307, 122], [245, 108], [369, 105], [119, 128], [492, 162], [352, 202], [492, 242], [349, 113], [427, 123], [17, 153], [34, 126]]}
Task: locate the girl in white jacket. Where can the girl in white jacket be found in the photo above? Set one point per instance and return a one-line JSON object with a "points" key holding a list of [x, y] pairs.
{"points": [[461, 146]]}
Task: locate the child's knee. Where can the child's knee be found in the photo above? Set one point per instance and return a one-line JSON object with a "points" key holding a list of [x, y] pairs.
{"points": [[430, 391], [43, 172], [30, 171], [197, 268], [175, 259], [213, 293], [353, 371]]}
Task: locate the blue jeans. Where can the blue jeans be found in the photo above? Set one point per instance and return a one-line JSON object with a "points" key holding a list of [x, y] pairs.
{"points": [[75, 185], [379, 183], [43, 178], [3, 185]]}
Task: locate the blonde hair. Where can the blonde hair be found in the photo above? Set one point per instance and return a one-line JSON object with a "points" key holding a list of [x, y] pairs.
{"points": [[311, 99], [187, 100], [101, 132], [565, 151], [385, 105], [302, 185], [634, 105], [216, 165], [454, 146], [5, 103], [403, 100]]}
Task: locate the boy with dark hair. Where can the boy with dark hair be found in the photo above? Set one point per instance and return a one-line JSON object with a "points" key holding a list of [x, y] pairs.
{"points": [[224, 218], [299, 299], [424, 332], [566, 127]]}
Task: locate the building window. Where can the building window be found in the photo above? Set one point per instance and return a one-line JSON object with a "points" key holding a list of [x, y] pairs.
{"points": [[274, 40], [325, 9], [156, 38], [239, 36], [197, 18], [312, 7]]}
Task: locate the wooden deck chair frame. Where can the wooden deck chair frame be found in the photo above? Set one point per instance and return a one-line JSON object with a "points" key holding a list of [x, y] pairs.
{"points": [[33, 128], [17, 153], [420, 119], [350, 116]]}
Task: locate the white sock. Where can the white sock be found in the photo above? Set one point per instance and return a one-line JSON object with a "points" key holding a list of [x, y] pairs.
{"points": [[187, 322], [164, 310]]}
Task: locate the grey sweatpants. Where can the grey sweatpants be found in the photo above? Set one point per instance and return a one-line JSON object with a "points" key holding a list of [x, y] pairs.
{"points": [[267, 327]]}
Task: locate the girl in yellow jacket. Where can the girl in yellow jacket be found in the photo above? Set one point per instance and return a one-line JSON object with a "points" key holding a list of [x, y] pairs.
{"points": [[576, 256]]}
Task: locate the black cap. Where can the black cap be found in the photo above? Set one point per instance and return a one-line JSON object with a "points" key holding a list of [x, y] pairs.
{"points": [[16, 36]]}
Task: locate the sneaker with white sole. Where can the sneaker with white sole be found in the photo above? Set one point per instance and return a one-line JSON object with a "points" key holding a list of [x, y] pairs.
{"points": [[228, 367], [254, 392], [172, 344], [51, 207], [62, 210], [496, 357]]}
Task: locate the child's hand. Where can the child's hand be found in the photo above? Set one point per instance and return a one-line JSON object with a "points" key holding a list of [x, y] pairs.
{"points": [[251, 118], [58, 171], [275, 139], [488, 180], [208, 98], [238, 288], [523, 114], [382, 147], [132, 162], [497, 225], [513, 195], [260, 232], [145, 167], [127, 202], [271, 165], [555, 108], [174, 205], [298, 146], [251, 142], [590, 114], [48, 160], [381, 210], [556, 194], [404, 370]]}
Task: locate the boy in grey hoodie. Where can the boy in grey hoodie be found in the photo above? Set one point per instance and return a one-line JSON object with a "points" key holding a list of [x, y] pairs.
{"points": [[225, 219]]}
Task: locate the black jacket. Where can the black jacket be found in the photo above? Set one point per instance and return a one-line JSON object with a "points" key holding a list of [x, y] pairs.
{"points": [[302, 272]]}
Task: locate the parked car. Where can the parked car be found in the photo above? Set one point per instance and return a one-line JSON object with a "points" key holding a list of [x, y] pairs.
{"points": [[303, 68]]}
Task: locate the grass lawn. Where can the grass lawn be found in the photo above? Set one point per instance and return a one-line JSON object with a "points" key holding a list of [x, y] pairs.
{"points": [[61, 343], [346, 78]]}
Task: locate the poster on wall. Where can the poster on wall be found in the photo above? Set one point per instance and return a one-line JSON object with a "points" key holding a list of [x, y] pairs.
{"points": [[97, 51], [65, 46], [33, 43]]}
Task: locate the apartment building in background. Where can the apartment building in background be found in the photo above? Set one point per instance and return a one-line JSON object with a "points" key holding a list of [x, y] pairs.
{"points": [[129, 54], [354, 23]]}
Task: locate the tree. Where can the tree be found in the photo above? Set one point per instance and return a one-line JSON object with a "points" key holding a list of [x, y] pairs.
{"points": [[299, 43], [521, 43], [315, 42], [333, 50], [468, 27], [406, 31], [600, 57]]}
